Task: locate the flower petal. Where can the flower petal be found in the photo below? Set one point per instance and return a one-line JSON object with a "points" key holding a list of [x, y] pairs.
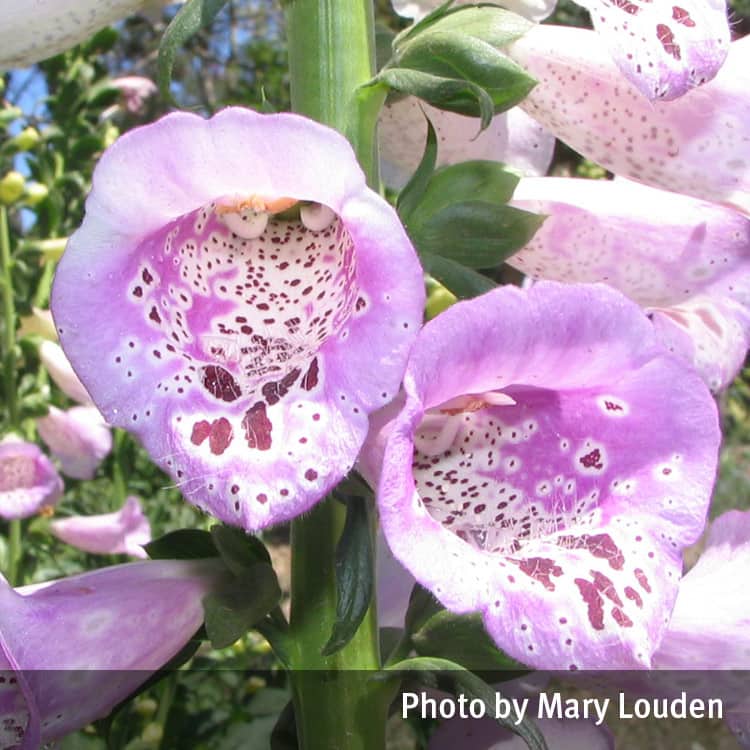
{"points": [[711, 618], [78, 437], [665, 50], [246, 363], [120, 624], [560, 517], [28, 480], [56, 26], [584, 100], [121, 533], [60, 370], [534, 10], [512, 138]]}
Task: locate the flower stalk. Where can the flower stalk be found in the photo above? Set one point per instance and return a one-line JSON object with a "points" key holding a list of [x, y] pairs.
{"points": [[337, 705]]}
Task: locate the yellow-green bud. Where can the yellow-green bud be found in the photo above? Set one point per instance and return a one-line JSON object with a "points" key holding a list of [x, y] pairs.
{"points": [[254, 684], [11, 187], [153, 733], [35, 193], [52, 249], [438, 299], [146, 707], [26, 139], [111, 134]]}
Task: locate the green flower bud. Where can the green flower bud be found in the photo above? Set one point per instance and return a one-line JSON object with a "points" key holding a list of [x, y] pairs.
{"points": [[26, 139], [11, 187], [438, 299], [35, 193]]}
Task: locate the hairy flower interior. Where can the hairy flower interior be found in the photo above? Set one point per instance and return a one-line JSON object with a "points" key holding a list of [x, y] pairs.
{"points": [[245, 299], [465, 467], [17, 472]]}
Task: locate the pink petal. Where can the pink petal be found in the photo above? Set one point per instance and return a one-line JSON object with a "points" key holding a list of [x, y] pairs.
{"points": [[121, 533], [80, 645], [512, 138], [584, 100], [60, 370], [246, 363], [28, 480], [562, 517], [78, 437], [664, 49]]}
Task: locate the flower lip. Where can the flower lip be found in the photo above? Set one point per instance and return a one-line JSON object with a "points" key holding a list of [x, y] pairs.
{"points": [[567, 503], [244, 321]]}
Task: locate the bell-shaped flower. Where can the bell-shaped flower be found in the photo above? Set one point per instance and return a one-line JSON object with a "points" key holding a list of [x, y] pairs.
{"points": [[550, 462], [32, 33], [60, 370], [135, 91], [696, 145], [78, 437], [664, 50], [123, 532], [28, 480], [685, 260], [72, 649], [513, 138], [262, 303]]}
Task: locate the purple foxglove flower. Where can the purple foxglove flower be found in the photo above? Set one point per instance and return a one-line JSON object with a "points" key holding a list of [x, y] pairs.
{"points": [[78, 437], [686, 260], [512, 137], [121, 533], [582, 98], [70, 650], [550, 463], [32, 33], [135, 91], [59, 369], [245, 348], [28, 480]]}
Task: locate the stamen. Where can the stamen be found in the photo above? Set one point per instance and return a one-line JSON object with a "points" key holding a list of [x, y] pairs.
{"points": [[316, 216]]}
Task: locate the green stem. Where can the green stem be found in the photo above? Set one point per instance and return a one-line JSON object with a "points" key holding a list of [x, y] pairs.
{"points": [[338, 705], [9, 324]]}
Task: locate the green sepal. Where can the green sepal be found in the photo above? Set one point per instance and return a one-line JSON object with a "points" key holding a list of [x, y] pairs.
{"points": [[238, 550], [411, 195], [428, 670], [190, 19], [464, 282], [354, 575], [235, 608], [184, 544]]}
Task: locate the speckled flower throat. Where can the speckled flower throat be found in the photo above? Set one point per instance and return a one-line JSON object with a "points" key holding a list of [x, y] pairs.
{"points": [[249, 291], [242, 317]]}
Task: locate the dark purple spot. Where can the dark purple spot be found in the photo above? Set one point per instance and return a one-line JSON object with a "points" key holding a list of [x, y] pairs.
{"points": [[540, 569], [310, 379], [138, 292], [666, 37], [592, 460], [634, 596], [593, 601], [611, 406], [220, 383], [201, 430], [146, 276], [640, 576], [682, 16], [605, 586], [599, 545], [154, 315], [311, 475], [257, 427], [221, 436], [262, 498], [621, 618], [274, 392]]}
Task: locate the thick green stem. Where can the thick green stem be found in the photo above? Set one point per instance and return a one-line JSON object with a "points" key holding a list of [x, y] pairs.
{"points": [[9, 324], [338, 704], [13, 574]]}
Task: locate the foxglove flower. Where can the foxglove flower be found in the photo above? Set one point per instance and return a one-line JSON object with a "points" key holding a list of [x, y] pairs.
{"points": [[71, 650], [28, 480], [245, 348], [29, 33], [56, 363], [685, 260], [135, 90], [78, 438], [513, 138], [549, 464], [696, 145], [121, 533], [665, 50]]}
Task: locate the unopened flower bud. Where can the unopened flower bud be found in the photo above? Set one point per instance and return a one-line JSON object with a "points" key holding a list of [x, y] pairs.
{"points": [[11, 187]]}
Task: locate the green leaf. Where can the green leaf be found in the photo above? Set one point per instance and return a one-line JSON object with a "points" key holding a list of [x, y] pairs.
{"points": [[238, 550], [422, 606], [184, 544], [354, 580], [468, 684], [462, 281], [463, 639], [475, 234], [412, 194], [236, 608], [191, 18], [463, 97]]}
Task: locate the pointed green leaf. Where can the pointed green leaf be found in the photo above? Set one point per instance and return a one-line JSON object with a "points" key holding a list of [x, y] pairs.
{"points": [[191, 18], [184, 544], [412, 194], [238, 550], [462, 281], [354, 580]]}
